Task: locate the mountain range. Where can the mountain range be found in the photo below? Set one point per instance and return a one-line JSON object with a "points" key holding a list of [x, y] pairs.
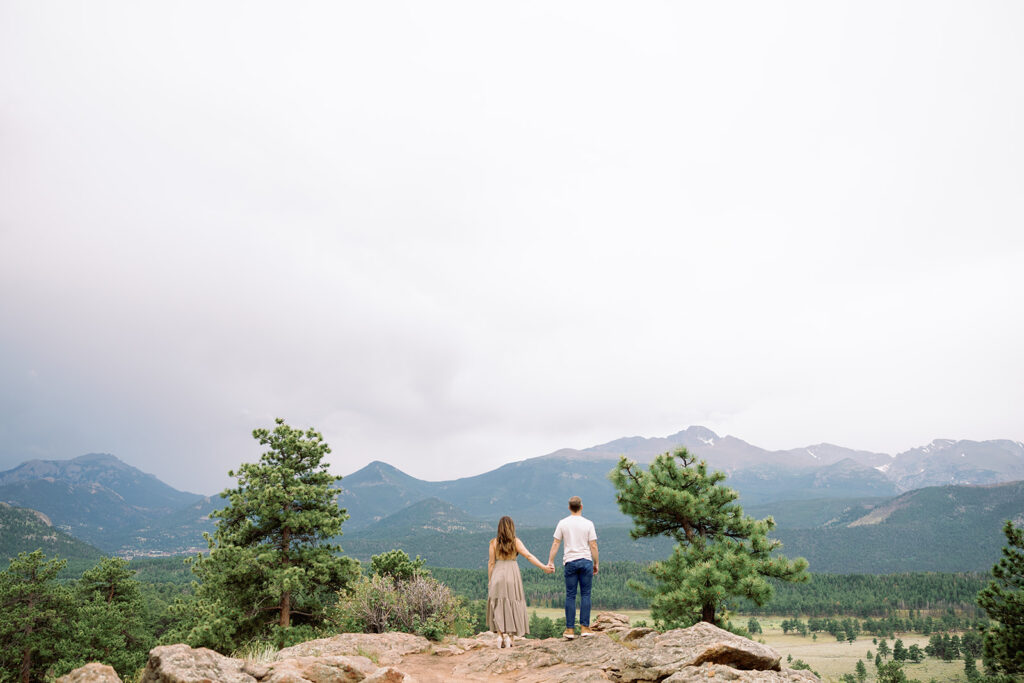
{"points": [[822, 496], [535, 491]]}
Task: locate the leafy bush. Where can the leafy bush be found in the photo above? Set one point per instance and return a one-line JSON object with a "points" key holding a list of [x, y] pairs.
{"points": [[397, 565], [421, 605]]}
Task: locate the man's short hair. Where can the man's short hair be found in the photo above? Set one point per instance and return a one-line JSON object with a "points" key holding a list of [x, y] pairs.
{"points": [[575, 504]]}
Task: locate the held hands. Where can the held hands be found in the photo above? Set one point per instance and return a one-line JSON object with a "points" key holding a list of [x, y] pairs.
{"points": [[550, 568]]}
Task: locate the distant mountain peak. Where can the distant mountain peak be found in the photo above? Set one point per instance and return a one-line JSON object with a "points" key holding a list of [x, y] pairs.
{"points": [[100, 458], [699, 432]]}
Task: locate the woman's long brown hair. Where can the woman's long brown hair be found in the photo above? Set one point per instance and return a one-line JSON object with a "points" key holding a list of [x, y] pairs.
{"points": [[505, 548]]}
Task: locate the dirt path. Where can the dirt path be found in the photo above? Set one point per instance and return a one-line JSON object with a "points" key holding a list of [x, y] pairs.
{"points": [[479, 665]]}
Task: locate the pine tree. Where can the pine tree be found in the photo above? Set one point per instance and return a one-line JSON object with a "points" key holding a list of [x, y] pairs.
{"points": [[109, 625], [891, 672], [899, 652], [719, 551], [270, 558], [861, 671], [1003, 601], [34, 615], [970, 668]]}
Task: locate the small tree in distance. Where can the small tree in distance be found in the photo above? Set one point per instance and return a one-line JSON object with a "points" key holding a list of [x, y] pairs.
{"points": [[719, 551]]}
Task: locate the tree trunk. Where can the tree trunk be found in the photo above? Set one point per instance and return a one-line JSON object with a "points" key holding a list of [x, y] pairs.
{"points": [[26, 664], [708, 613], [286, 596], [286, 609]]}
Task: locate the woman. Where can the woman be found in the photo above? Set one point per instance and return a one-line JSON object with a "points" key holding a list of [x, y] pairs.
{"points": [[506, 602]]}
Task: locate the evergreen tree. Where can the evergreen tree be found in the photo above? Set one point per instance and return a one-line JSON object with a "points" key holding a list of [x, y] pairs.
{"points": [[754, 626], [719, 551], [397, 565], [883, 649], [270, 557], [861, 671], [891, 672], [34, 615], [970, 668], [1003, 601], [899, 652], [109, 625]]}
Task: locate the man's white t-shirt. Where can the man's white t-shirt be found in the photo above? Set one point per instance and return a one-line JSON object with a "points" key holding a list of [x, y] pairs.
{"points": [[576, 532]]}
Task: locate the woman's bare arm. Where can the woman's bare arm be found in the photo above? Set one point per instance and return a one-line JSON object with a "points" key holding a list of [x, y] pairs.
{"points": [[490, 560], [529, 556]]}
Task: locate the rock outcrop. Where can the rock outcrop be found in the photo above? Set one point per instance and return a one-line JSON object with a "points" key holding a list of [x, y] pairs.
{"points": [[615, 653], [91, 673], [342, 659]]}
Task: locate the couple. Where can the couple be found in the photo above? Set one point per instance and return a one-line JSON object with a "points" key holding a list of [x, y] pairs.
{"points": [[506, 602]]}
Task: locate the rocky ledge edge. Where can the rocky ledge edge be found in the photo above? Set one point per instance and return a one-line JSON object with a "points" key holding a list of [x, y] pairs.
{"points": [[615, 653]]}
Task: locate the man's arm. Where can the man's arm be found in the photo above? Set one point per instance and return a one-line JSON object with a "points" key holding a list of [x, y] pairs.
{"points": [[593, 553], [554, 550]]}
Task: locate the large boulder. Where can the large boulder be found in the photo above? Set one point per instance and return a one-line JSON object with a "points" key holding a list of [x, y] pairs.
{"points": [[321, 663], [93, 672], [610, 622], [183, 664], [327, 669], [659, 655]]}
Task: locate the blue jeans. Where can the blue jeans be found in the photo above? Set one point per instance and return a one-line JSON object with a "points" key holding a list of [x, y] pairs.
{"points": [[578, 572]]}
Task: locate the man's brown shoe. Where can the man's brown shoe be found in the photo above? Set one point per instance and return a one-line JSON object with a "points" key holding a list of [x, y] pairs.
{"points": [[586, 630], [569, 634]]}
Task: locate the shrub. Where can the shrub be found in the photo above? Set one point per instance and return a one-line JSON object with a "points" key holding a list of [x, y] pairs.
{"points": [[421, 605], [397, 565]]}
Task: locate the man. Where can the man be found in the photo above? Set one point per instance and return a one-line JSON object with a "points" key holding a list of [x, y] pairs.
{"points": [[580, 565]]}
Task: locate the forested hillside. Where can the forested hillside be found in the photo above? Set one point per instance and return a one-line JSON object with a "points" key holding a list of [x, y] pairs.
{"points": [[23, 530]]}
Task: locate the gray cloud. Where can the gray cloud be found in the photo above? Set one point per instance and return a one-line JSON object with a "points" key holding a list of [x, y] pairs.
{"points": [[452, 235]]}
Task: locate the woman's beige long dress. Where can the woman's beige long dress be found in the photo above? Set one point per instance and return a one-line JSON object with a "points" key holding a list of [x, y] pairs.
{"points": [[506, 602]]}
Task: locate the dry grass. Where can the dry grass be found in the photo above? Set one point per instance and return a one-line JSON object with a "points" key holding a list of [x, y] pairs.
{"points": [[831, 659]]}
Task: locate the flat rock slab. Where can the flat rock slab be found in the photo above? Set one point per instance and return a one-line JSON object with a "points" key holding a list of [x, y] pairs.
{"points": [[382, 648], [717, 672]]}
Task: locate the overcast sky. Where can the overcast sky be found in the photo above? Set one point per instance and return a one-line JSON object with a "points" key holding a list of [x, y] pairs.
{"points": [[453, 235]]}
